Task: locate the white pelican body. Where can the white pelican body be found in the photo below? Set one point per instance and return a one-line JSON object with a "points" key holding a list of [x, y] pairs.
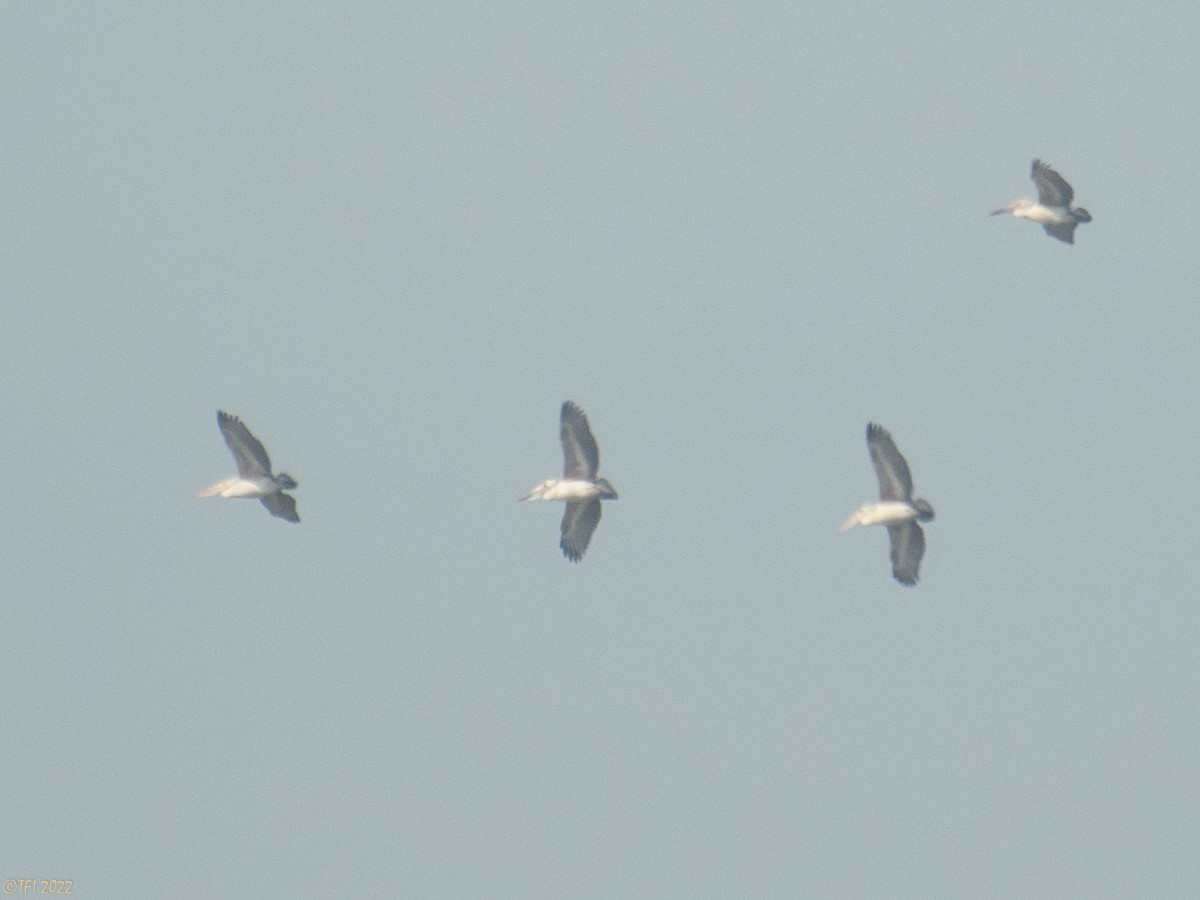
{"points": [[240, 487], [897, 509], [1043, 215], [880, 514], [566, 489], [254, 479], [1053, 207], [579, 486]]}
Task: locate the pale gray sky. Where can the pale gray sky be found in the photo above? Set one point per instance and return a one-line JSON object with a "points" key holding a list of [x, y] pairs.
{"points": [[393, 239]]}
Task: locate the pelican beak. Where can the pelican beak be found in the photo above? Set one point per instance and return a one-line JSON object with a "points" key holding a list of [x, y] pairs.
{"points": [[209, 491], [1004, 209]]}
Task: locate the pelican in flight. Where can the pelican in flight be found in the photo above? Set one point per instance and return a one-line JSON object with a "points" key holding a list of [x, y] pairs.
{"points": [[1053, 208], [254, 472], [897, 509], [579, 485]]}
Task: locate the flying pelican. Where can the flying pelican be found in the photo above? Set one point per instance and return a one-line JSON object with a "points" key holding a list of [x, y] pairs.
{"points": [[897, 509], [254, 472], [1053, 208], [579, 485]]}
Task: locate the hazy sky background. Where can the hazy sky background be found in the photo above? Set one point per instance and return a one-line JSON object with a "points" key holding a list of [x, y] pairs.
{"points": [[394, 238]]}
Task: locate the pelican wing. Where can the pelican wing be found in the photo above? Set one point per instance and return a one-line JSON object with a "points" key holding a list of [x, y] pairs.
{"points": [[581, 457], [579, 521], [1052, 189], [281, 505], [247, 450], [895, 481], [908, 546], [1064, 231]]}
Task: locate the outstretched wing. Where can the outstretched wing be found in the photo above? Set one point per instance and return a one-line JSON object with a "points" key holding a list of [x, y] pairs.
{"points": [[895, 482], [908, 546], [581, 457], [1064, 231], [579, 521], [281, 505], [1053, 190], [247, 450]]}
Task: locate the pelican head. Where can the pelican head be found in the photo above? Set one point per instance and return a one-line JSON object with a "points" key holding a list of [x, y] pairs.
{"points": [[537, 492], [216, 488], [1023, 203], [285, 481], [607, 491], [924, 510]]}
